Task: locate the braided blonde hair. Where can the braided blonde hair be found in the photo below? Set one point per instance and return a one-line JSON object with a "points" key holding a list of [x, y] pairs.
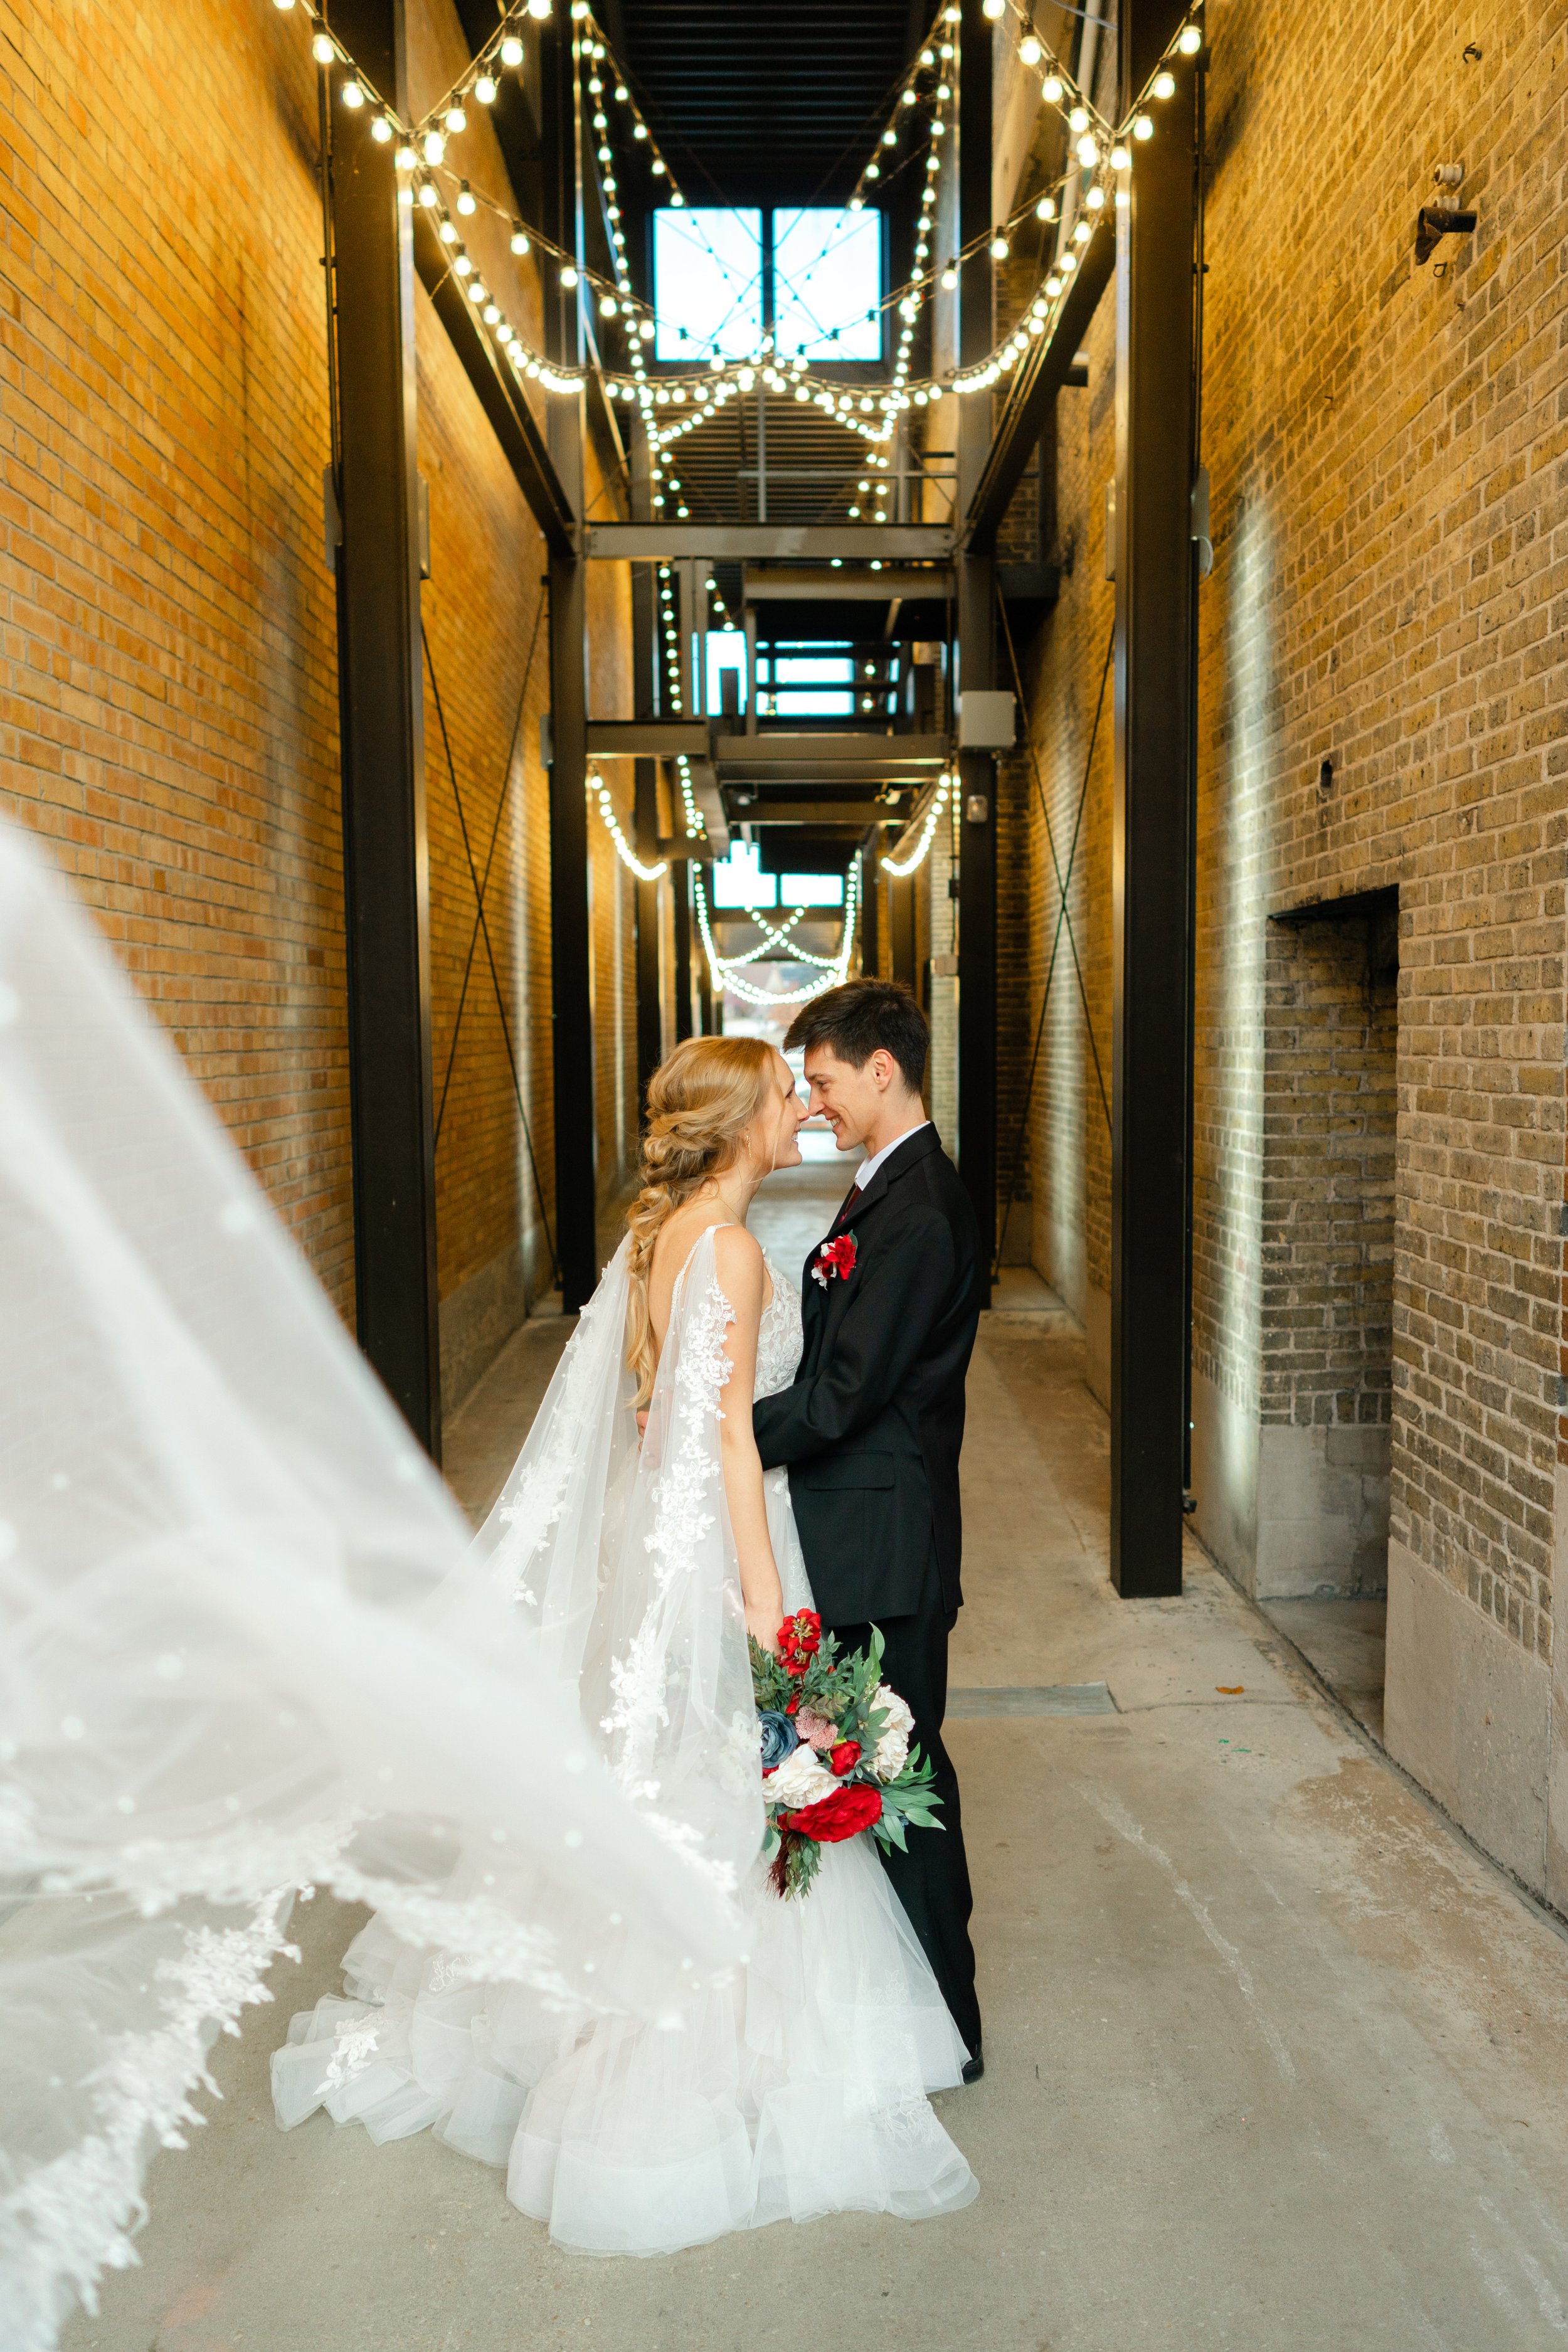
{"points": [[699, 1103]]}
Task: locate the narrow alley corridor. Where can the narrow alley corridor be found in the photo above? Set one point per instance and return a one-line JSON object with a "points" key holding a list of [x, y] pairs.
{"points": [[1274, 2060]]}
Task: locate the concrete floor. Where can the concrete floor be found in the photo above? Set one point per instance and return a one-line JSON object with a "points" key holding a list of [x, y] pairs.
{"points": [[1275, 2061]]}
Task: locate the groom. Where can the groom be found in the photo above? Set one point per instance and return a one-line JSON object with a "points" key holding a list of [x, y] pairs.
{"points": [[872, 1424]]}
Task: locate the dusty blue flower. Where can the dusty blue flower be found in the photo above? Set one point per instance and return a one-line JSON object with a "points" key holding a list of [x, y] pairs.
{"points": [[779, 1736]]}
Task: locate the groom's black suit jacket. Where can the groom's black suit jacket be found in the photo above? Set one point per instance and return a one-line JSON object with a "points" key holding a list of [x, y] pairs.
{"points": [[872, 1423]]}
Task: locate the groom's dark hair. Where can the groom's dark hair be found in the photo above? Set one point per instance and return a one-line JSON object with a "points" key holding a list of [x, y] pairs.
{"points": [[852, 1022]]}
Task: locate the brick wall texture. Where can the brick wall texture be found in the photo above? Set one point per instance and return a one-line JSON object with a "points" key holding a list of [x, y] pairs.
{"points": [[1387, 444], [168, 712]]}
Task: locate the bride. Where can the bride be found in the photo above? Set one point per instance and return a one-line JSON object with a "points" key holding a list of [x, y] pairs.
{"points": [[798, 2087]]}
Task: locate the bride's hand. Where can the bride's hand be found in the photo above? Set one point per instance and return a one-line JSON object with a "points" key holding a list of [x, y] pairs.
{"points": [[763, 1622]]}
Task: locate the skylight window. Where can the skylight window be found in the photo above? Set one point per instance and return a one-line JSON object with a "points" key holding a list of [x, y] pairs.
{"points": [[718, 278], [708, 283], [827, 284]]}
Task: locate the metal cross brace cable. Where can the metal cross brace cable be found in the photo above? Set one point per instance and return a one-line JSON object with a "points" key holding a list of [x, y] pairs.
{"points": [[482, 925], [1062, 917]]}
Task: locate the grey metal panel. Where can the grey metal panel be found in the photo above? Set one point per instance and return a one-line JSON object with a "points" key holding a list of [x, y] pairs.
{"points": [[647, 738], [765, 542], [765, 749], [821, 582], [1046, 1698]]}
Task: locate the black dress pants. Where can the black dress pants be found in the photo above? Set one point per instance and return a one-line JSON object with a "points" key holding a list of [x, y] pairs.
{"points": [[931, 1880]]}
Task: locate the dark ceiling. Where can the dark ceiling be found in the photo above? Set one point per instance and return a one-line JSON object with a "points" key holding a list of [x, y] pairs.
{"points": [[759, 103]]}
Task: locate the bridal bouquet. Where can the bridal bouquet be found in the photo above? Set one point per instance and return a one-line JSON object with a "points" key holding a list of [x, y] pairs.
{"points": [[836, 1750]]}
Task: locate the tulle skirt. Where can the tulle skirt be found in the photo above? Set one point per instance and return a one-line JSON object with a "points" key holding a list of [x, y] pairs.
{"points": [[798, 2090]]}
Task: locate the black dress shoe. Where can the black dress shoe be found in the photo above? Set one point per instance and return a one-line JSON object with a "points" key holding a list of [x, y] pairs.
{"points": [[974, 2067]]}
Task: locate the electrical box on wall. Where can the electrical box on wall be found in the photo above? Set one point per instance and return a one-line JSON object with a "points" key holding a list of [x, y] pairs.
{"points": [[986, 721]]}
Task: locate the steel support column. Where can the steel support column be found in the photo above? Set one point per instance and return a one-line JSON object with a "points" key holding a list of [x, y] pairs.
{"points": [[381, 696], [1152, 821], [570, 938], [645, 786], [976, 652]]}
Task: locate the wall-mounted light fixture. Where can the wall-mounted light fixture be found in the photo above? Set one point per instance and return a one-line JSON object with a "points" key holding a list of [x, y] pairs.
{"points": [[1442, 218]]}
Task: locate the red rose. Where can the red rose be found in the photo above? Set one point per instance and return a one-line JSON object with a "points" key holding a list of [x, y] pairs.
{"points": [[844, 1758], [800, 1638], [834, 1257], [845, 1815], [793, 1706]]}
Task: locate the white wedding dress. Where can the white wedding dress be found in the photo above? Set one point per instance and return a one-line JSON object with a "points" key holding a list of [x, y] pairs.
{"points": [[798, 2087]]}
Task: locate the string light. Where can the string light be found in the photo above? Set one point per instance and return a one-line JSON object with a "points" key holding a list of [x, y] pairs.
{"points": [[725, 971], [873, 418], [624, 849], [911, 864]]}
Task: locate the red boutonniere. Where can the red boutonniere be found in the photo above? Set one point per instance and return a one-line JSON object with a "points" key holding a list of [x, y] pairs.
{"points": [[834, 1257]]}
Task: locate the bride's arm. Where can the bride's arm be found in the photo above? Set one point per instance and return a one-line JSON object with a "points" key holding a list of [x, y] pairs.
{"points": [[738, 1263]]}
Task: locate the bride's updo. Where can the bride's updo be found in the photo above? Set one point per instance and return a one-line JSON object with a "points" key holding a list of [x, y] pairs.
{"points": [[699, 1103]]}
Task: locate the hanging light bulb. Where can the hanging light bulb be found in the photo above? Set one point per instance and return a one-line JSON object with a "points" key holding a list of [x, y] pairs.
{"points": [[993, 8], [461, 264], [283, 4], [405, 157], [640, 130], [890, 138], [1088, 151], [1077, 120], [1046, 209], [656, 167], [427, 195], [491, 314], [1143, 126], [519, 237], [352, 95], [1053, 284], [950, 276], [511, 50], [1081, 230], [1121, 160], [540, 8], [1053, 89], [568, 275], [607, 306], [380, 129], [1095, 200], [1029, 50], [466, 199], [907, 98], [447, 232], [676, 199], [455, 120], [1189, 40], [323, 49], [433, 145], [485, 90]]}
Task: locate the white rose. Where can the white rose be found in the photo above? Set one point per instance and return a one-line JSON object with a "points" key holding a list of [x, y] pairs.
{"points": [[893, 1746], [800, 1780]]}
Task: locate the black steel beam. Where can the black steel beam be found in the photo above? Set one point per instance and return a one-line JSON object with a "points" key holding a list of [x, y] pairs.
{"points": [[1035, 383], [976, 651], [1152, 827], [510, 419], [769, 542], [571, 937], [381, 697]]}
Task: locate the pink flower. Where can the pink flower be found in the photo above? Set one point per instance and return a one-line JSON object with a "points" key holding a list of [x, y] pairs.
{"points": [[816, 1729]]}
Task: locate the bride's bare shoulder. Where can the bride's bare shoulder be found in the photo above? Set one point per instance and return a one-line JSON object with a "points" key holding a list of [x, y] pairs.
{"points": [[738, 1262]]}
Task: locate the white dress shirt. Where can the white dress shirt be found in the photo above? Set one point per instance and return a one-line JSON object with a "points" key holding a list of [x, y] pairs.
{"points": [[868, 1168]]}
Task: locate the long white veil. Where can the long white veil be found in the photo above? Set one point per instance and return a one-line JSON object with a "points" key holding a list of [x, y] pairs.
{"points": [[244, 1648]]}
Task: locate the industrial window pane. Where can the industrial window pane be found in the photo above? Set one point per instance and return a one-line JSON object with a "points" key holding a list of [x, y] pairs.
{"points": [[739, 880], [827, 284], [726, 650], [708, 283], [811, 889]]}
